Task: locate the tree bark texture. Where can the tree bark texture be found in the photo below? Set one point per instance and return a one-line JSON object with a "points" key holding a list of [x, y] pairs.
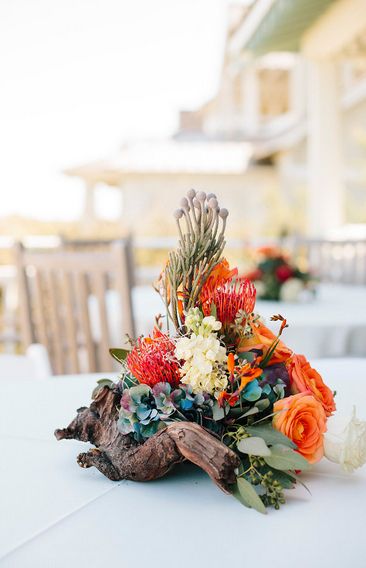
{"points": [[119, 456]]}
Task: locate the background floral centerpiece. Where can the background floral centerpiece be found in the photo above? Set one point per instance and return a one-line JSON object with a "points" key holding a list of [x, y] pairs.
{"points": [[277, 277]]}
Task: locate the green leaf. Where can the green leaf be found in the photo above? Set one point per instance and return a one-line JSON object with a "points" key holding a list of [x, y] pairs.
{"points": [[247, 355], [246, 494], [119, 354], [296, 479], [285, 458], [270, 435], [101, 384], [253, 447], [284, 478], [249, 412], [129, 381], [218, 413], [262, 404]]}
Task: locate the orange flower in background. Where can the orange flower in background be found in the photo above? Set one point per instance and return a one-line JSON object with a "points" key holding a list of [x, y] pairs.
{"points": [[219, 275], [263, 339], [269, 251], [304, 378], [302, 419]]}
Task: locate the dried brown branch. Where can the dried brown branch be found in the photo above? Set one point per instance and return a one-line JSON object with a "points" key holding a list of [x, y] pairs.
{"points": [[118, 456]]}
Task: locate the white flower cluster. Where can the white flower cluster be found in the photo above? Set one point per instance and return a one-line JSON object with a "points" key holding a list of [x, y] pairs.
{"points": [[202, 354], [345, 441]]}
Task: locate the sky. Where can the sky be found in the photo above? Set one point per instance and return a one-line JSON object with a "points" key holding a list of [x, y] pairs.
{"points": [[80, 77]]}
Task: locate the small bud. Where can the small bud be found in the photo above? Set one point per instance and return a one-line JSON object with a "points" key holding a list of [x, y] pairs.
{"points": [[223, 213], [196, 203], [213, 203], [201, 196], [178, 213], [211, 196], [191, 194]]}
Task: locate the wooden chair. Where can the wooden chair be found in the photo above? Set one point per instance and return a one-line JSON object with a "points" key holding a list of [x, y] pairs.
{"points": [[55, 293]]}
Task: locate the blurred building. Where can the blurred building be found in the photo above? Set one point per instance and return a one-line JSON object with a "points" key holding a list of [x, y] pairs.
{"points": [[283, 140]]}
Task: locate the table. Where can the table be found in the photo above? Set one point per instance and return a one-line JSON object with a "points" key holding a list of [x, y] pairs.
{"points": [[331, 325], [56, 515]]}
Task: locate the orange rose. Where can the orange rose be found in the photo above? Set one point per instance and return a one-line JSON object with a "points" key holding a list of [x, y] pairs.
{"points": [[263, 339], [304, 378], [302, 419]]}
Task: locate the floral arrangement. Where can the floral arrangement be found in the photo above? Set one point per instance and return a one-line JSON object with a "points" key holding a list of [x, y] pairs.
{"points": [[277, 278], [219, 367]]}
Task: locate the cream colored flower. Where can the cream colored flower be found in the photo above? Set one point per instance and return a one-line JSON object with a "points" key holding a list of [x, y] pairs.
{"points": [[202, 354], [345, 441]]}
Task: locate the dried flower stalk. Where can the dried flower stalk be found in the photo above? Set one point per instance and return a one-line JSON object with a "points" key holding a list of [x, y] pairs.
{"points": [[201, 226]]}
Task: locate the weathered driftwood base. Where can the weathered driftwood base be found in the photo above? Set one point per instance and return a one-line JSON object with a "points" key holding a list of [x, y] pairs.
{"points": [[119, 457]]}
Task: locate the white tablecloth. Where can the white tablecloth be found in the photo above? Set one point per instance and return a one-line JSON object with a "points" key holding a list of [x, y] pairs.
{"points": [[54, 514], [331, 325]]}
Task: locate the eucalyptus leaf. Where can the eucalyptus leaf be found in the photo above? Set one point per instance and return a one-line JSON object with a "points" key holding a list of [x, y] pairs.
{"points": [[119, 354], [262, 404], [253, 447], [101, 384], [247, 355], [284, 458], [270, 435], [218, 413], [250, 412], [245, 492], [286, 480]]}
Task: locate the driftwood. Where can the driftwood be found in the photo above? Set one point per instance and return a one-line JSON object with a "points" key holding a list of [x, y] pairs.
{"points": [[118, 456]]}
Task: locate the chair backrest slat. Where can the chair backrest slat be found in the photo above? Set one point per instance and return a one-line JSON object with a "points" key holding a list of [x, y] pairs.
{"points": [[83, 293], [70, 322], [99, 287], [54, 315], [63, 303]]}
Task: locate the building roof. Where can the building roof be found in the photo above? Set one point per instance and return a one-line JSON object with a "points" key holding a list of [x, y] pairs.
{"points": [[168, 156], [278, 25]]}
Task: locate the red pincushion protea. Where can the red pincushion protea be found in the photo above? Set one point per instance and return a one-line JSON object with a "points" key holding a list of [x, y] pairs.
{"points": [[152, 360], [219, 275], [230, 298]]}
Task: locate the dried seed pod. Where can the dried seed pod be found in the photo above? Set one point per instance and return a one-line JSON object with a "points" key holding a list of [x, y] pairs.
{"points": [[184, 203], [191, 194], [178, 213], [223, 213], [201, 196]]}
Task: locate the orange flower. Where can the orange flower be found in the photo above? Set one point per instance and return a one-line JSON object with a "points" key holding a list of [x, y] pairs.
{"points": [[231, 363], [302, 419], [269, 251], [263, 339], [219, 275], [247, 374], [304, 378]]}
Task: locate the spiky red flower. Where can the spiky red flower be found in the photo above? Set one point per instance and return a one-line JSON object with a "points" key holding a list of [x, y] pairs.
{"points": [[218, 276], [152, 360], [231, 297]]}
